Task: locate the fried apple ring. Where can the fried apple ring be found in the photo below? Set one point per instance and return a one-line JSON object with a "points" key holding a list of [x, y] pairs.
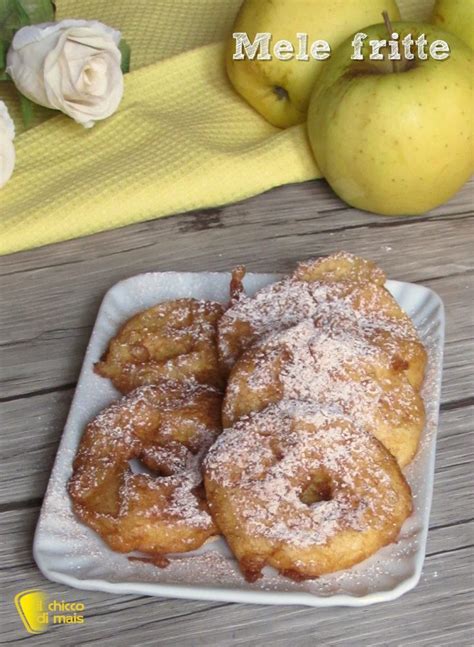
{"points": [[340, 266], [304, 490], [172, 340], [320, 289], [372, 313], [168, 427], [328, 366], [283, 304]]}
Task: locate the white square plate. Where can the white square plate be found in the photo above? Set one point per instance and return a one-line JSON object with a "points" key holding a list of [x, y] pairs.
{"points": [[67, 551]]}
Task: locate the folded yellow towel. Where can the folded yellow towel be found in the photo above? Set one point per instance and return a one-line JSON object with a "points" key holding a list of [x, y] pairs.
{"points": [[182, 139]]}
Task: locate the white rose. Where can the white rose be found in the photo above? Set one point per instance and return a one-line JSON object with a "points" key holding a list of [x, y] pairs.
{"points": [[72, 66], [7, 150]]}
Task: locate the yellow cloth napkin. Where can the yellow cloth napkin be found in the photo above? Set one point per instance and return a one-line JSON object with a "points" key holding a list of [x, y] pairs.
{"points": [[182, 139]]}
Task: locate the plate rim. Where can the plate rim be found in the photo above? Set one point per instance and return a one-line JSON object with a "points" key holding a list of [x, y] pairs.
{"points": [[229, 594]]}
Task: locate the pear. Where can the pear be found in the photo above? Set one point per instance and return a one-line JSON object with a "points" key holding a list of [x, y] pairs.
{"points": [[280, 89]]}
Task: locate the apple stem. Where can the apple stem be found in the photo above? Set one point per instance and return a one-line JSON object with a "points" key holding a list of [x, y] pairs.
{"points": [[388, 25]]}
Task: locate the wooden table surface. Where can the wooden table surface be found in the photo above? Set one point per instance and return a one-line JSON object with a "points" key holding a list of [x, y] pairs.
{"points": [[49, 301]]}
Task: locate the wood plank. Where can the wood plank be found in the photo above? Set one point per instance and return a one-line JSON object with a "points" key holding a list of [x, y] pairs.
{"points": [[311, 203], [49, 299], [428, 613], [289, 211], [32, 429], [451, 525], [54, 359], [35, 425], [453, 453], [447, 568], [46, 324]]}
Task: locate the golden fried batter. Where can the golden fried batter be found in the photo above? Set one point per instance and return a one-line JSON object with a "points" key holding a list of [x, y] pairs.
{"points": [[174, 340], [371, 312], [303, 490], [168, 427], [340, 266], [339, 285], [321, 403], [327, 366]]}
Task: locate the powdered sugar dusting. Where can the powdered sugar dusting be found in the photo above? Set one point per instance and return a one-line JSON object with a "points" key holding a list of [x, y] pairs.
{"points": [[68, 551], [169, 427], [357, 301], [175, 339], [329, 365], [265, 462]]}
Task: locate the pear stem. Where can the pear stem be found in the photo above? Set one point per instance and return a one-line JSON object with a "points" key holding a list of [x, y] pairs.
{"points": [[388, 25]]}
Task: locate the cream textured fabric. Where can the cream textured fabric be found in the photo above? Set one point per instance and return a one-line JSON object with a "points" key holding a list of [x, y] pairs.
{"points": [[182, 139]]}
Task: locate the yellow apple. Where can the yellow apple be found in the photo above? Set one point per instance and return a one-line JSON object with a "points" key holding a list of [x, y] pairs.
{"points": [[280, 89], [457, 17], [395, 142]]}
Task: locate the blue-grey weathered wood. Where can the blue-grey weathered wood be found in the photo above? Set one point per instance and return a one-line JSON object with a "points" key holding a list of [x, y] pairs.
{"points": [[49, 300]]}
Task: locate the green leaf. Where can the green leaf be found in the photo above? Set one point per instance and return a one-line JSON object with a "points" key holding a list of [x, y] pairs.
{"points": [[37, 10], [21, 13], [27, 109], [3, 60], [125, 50], [15, 14], [9, 21]]}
